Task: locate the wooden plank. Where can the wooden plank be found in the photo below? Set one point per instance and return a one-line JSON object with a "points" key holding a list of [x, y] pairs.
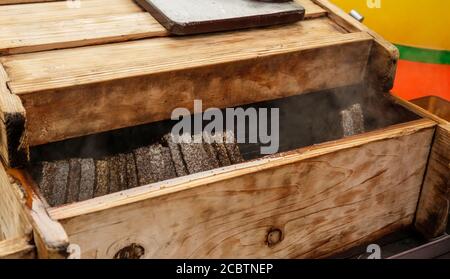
{"points": [[15, 227], [317, 199], [312, 10], [9, 2], [436, 105], [23, 38], [434, 204], [14, 222], [52, 70], [45, 26], [49, 236], [432, 212], [18, 248], [185, 69], [419, 110], [58, 11], [13, 148], [383, 63]]}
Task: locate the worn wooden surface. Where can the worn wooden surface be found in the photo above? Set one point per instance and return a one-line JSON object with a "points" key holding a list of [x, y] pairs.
{"points": [[44, 26], [9, 2], [434, 205], [53, 89], [13, 148], [49, 236], [15, 226], [18, 248], [14, 222], [318, 200], [199, 68], [382, 65], [419, 110], [435, 105]]}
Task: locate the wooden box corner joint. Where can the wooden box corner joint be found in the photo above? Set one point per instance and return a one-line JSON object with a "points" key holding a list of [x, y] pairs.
{"points": [[13, 141]]}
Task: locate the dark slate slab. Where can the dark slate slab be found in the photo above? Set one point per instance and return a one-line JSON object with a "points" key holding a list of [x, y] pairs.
{"points": [[185, 17]]}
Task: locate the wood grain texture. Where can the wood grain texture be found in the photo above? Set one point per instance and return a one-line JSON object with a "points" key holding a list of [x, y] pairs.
{"points": [[18, 248], [222, 70], [66, 68], [49, 237], [13, 145], [382, 65], [9, 2], [58, 11], [23, 38], [419, 110], [320, 199], [14, 222], [434, 205], [436, 105], [45, 26], [15, 226]]}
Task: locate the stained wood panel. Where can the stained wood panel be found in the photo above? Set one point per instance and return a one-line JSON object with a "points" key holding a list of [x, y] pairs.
{"points": [[18, 248], [434, 205], [15, 227], [316, 201], [8, 2], [21, 38], [14, 222], [432, 212], [383, 63], [13, 148]]}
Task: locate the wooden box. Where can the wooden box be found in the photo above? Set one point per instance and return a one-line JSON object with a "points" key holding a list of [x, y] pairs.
{"points": [[67, 73]]}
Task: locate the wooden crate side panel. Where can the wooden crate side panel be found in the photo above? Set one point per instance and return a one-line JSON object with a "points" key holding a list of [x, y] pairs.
{"points": [[14, 222], [420, 111], [382, 65], [311, 208], [13, 145], [49, 237], [153, 97], [434, 205], [47, 70], [8, 2]]}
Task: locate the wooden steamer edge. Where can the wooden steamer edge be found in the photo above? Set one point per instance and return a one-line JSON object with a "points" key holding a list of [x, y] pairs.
{"points": [[116, 214], [31, 233], [434, 205], [58, 248]]}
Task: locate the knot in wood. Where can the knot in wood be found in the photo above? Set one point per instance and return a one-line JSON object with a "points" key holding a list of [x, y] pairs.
{"points": [[274, 236], [132, 251]]}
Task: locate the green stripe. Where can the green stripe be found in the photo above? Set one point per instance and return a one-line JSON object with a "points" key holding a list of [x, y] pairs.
{"points": [[424, 55]]}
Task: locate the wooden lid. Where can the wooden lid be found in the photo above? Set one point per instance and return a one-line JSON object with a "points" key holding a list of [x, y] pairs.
{"points": [[187, 17]]}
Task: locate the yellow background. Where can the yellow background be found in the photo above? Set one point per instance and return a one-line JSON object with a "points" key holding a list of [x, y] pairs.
{"points": [[417, 23]]}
